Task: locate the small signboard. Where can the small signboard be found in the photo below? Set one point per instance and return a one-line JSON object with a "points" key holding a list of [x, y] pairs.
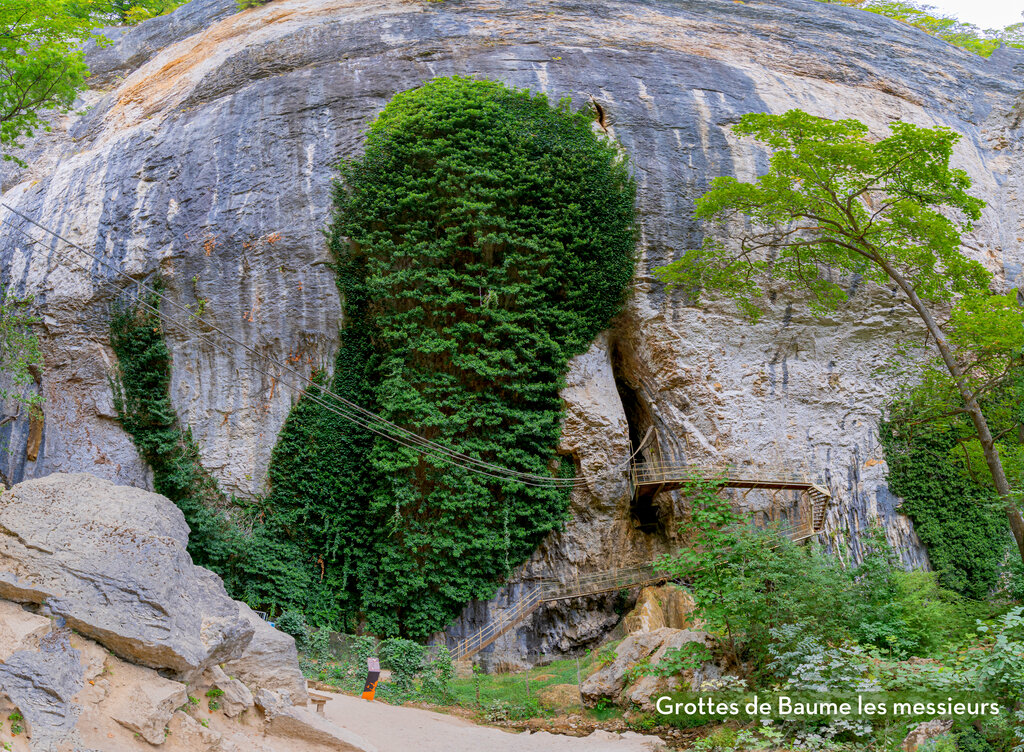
{"points": [[372, 676]]}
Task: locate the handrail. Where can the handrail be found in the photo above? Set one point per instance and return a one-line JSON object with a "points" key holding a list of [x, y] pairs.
{"points": [[616, 579], [655, 471]]}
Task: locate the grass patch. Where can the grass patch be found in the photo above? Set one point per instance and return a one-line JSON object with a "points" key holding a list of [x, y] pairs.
{"points": [[514, 695]]}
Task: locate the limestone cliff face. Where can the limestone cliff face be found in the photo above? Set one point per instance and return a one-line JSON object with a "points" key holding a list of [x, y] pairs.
{"points": [[204, 155]]}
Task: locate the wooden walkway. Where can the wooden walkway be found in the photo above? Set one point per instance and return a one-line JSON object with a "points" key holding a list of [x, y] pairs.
{"points": [[647, 479], [546, 591]]}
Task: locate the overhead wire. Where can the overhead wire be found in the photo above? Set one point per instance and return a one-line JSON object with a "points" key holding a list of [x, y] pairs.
{"points": [[205, 338], [341, 406]]}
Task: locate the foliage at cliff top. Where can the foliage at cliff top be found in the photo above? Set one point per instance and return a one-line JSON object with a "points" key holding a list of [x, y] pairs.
{"points": [[483, 239], [922, 16], [42, 66]]}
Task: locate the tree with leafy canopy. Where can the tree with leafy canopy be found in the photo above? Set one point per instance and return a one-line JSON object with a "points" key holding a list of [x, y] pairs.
{"points": [[836, 203], [123, 12], [42, 67], [986, 337], [42, 64]]}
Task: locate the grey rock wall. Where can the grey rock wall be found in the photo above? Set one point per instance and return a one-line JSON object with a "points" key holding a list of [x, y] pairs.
{"points": [[205, 156]]}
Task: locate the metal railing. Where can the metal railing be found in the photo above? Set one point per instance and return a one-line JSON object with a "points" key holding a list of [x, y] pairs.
{"points": [[606, 581], [643, 473], [649, 473], [495, 629]]}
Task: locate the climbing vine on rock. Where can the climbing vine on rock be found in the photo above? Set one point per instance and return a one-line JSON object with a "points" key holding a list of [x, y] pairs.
{"points": [[141, 388], [484, 238], [958, 519]]}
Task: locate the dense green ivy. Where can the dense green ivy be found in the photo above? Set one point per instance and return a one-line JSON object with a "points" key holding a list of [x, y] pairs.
{"points": [[260, 553], [484, 238], [958, 519], [141, 389]]}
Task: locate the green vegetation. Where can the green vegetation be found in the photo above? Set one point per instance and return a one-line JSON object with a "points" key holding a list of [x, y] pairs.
{"points": [[922, 16], [42, 66], [499, 697], [958, 519], [214, 694], [483, 239], [417, 672], [120, 12], [835, 203], [793, 619], [141, 389], [20, 358], [748, 583]]}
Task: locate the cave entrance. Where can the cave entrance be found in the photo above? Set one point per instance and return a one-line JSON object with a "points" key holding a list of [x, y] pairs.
{"points": [[638, 420]]}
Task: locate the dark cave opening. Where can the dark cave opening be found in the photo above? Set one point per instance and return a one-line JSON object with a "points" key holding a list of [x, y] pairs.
{"points": [[642, 508]]}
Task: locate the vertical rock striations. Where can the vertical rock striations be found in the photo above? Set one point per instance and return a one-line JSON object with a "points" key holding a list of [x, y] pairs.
{"points": [[204, 156]]}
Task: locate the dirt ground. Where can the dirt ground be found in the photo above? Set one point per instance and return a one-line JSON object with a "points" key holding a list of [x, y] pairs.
{"points": [[401, 729]]}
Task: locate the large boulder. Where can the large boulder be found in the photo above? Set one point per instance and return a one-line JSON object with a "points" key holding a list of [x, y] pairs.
{"points": [[111, 561], [610, 681], [269, 661], [93, 563], [661, 606]]}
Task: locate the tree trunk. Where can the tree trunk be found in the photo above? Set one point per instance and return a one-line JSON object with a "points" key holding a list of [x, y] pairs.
{"points": [[988, 445]]}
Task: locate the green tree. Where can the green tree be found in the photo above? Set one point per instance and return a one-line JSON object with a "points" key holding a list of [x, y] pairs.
{"points": [[836, 203], [42, 67], [119, 12], [747, 581]]}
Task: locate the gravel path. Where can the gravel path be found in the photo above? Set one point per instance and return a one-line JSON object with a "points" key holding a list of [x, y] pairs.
{"points": [[398, 729]]}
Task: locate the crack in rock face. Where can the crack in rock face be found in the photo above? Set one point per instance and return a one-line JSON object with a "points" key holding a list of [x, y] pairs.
{"points": [[42, 683], [210, 130]]}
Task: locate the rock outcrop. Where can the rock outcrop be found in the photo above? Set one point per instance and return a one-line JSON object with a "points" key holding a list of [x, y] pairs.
{"points": [[97, 614], [269, 661], [205, 152], [612, 681], [111, 562], [657, 607]]}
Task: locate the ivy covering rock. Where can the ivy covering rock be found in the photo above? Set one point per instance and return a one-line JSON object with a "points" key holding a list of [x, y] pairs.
{"points": [[484, 239]]}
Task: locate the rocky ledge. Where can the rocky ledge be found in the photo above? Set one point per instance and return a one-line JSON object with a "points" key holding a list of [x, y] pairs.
{"points": [[111, 638]]}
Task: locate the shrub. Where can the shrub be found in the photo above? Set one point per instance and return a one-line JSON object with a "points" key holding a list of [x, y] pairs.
{"points": [[437, 675], [318, 644], [294, 623], [953, 515], [405, 659], [751, 585]]}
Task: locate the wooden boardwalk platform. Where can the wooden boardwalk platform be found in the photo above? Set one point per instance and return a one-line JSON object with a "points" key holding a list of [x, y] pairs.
{"points": [[646, 480]]}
